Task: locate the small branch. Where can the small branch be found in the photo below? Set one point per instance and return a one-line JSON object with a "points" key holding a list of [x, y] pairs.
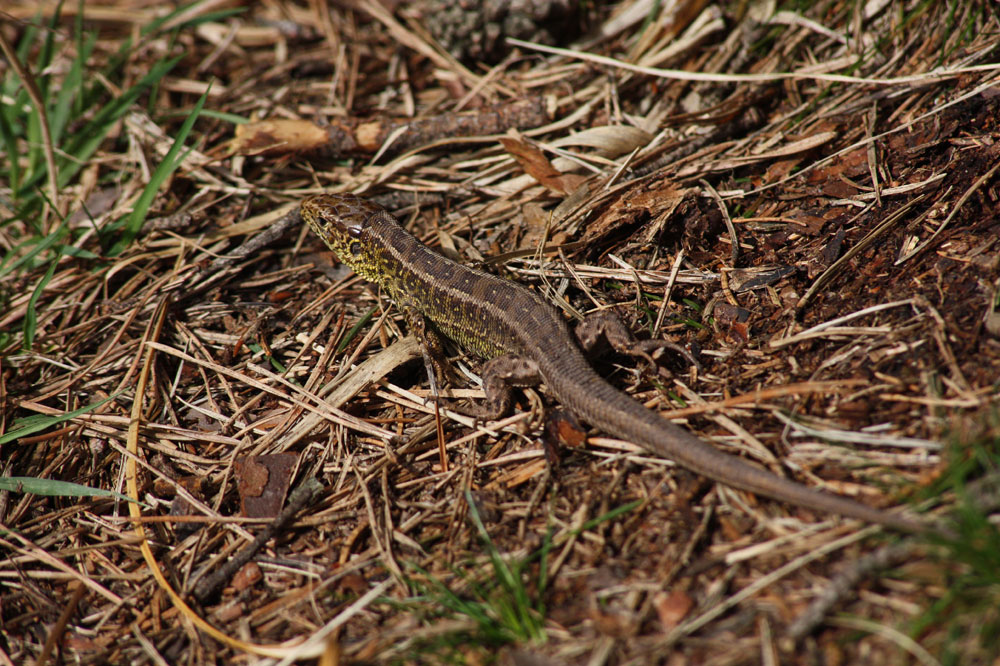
{"points": [[298, 498]]}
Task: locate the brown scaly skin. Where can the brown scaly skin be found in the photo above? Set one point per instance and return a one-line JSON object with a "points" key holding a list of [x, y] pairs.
{"points": [[527, 340]]}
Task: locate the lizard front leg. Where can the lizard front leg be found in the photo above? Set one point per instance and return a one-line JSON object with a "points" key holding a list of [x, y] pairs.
{"points": [[431, 348], [607, 326]]}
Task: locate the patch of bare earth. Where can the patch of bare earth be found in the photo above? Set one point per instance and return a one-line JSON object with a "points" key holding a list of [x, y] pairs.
{"points": [[819, 206]]}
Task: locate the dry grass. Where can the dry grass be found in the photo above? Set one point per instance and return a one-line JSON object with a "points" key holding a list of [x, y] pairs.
{"points": [[810, 202]]}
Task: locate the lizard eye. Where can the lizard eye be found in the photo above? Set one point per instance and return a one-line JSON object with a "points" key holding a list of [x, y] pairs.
{"points": [[355, 248], [354, 231]]}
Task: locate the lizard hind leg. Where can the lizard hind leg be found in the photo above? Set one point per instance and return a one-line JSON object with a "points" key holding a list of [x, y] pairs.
{"points": [[607, 326], [502, 373]]}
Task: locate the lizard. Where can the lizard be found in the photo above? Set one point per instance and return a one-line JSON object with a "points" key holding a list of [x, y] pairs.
{"points": [[525, 341]]}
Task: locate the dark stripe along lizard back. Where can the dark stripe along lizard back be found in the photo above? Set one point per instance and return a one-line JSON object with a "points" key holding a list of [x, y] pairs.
{"points": [[492, 317]]}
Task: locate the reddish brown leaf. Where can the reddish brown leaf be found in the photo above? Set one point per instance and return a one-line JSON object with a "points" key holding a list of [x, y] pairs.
{"points": [[262, 482], [536, 165]]}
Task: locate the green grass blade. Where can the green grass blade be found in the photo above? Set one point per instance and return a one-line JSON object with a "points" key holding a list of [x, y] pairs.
{"points": [[224, 116], [39, 422], [543, 570], [10, 147], [355, 329], [42, 79], [30, 35], [53, 488], [610, 515], [46, 243], [71, 90], [219, 16], [47, 53], [90, 136], [155, 25], [35, 168], [31, 316], [514, 608], [169, 164]]}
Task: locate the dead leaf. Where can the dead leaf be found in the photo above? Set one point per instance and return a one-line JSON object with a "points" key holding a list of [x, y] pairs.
{"points": [[536, 165], [262, 483]]}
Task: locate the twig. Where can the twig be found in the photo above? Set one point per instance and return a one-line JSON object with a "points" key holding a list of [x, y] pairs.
{"points": [[845, 583], [298, 498]]}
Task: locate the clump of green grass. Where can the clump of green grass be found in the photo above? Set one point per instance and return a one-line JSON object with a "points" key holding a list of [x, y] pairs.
{"points": [[58, 111], [965, 621], [503, 601], [500, 600], [78, 107], [50, 487]]}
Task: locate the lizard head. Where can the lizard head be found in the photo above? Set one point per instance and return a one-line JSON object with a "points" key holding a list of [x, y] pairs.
{"points": [[342, 221]]}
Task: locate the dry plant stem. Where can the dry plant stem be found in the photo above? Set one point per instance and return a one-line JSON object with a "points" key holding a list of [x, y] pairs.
{"points": [[56, 634], [378, 530], [682, 75], [665, 303], [895, 636], [689, 627], [978, 90], [439, 430], [36, 98], [443, 60], [147, 647], [135, 423], [954, 211], [300, 497], [683, 561], [869, 238], [318, 406], [870, 153], [845, 583], [733, 238], [208, 276], [35, 552], [319, 642]]}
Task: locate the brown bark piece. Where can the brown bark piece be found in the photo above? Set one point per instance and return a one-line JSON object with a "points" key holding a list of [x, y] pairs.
{"points": [[262, 482]]}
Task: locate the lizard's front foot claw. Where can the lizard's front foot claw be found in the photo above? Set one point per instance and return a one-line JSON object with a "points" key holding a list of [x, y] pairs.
{"points": [[479, 413], [647, 348]]}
